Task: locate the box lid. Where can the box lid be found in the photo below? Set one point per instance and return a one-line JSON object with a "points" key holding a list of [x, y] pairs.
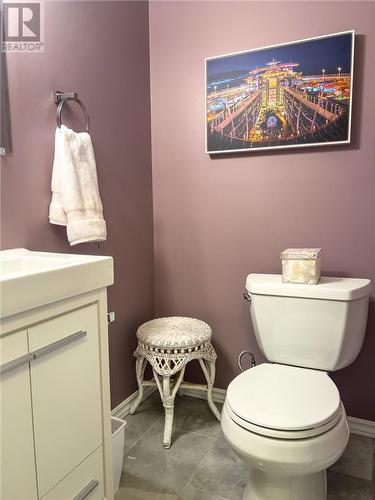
{"points": [[301, 253]]}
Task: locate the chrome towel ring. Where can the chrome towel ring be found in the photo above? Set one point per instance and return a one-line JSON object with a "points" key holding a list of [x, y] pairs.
{"points": [[61, 98]]}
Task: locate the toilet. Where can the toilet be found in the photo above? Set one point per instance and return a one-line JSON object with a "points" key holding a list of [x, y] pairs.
{"points": [[284, 418]]}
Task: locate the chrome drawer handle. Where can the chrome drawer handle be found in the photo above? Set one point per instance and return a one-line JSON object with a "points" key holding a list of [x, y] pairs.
{"points": [[57, 345], [38, 353], [15, 363], [87, 490]]}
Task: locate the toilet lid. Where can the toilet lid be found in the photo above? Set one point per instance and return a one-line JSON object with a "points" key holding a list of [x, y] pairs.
{"points": [[284, 397]]}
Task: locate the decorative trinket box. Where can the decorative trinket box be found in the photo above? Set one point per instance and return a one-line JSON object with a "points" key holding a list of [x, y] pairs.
{"points": [[301, 265]]}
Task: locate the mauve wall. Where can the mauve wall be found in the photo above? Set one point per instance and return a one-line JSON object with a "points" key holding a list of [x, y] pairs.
{"points": [[216, 220], [100, 50]]}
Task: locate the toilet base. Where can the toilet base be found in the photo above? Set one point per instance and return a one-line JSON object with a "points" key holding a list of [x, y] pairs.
{"points": [[265, 486]]}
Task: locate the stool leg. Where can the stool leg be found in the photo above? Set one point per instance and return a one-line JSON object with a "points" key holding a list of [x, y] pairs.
{"points": [[168, 403], [208, 368], [140, 365], [168, 395]]}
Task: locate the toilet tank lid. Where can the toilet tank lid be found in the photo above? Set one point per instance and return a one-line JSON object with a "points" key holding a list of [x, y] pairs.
{"points": [[328, 288]]}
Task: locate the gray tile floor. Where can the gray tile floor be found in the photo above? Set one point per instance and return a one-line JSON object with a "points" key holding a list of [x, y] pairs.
{"points": [[200, 466]]}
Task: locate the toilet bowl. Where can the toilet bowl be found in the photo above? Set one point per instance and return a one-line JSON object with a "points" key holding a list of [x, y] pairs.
{"points": [[284, 418], [288, 425]]}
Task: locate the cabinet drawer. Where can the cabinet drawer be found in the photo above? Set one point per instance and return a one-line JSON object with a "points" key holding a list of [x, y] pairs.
{"points": [[66, 393], [84, 482]]}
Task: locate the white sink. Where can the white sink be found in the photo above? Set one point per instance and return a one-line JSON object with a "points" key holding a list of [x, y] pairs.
{"points": [[13, 265], [31, 279]]}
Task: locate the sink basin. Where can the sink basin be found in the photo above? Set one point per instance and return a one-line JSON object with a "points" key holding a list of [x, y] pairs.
{"points": [[27, 264], [32, 279]]}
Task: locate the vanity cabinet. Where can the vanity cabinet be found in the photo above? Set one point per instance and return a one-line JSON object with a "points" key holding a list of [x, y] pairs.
{"points": [[54, 395]]}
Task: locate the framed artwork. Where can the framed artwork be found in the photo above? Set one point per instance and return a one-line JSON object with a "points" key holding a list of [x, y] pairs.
{"points": [[295, 94]]}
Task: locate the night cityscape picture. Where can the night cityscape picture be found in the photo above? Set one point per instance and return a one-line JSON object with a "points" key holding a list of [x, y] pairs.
{"points": [[289, 95]]}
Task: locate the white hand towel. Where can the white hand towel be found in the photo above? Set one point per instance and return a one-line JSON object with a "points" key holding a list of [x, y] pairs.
{"points": [[76, 200]]}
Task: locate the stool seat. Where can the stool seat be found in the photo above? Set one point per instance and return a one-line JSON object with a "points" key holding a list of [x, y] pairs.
{"points": [[175, 332], [168, 344]]}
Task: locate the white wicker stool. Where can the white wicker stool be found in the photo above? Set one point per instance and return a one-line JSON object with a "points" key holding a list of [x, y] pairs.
{"points": [[168, 344]]}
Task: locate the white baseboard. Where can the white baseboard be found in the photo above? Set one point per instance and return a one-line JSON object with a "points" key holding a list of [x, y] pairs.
{"points": [[362, 427], [123, 409], [217, 394], [358, 426]]}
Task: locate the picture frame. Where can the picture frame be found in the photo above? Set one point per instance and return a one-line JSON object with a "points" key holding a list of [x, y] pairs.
{"points": [[290, 95]]}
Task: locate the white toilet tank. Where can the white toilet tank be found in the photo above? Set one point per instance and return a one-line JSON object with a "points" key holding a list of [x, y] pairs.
{"points": [[315, 326]]}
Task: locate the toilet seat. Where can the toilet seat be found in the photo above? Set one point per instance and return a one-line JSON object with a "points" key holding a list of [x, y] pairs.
{"points": [[284, 434], [284, 402]]}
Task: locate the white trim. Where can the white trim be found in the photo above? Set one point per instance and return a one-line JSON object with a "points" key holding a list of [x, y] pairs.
{"points": [[283, 44], [123, 409], [218, 395], [361, 427], [358, 426]]}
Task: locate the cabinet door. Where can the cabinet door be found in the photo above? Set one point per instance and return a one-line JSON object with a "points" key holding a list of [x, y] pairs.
{"points": [[17, 473], [65, 384]]}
